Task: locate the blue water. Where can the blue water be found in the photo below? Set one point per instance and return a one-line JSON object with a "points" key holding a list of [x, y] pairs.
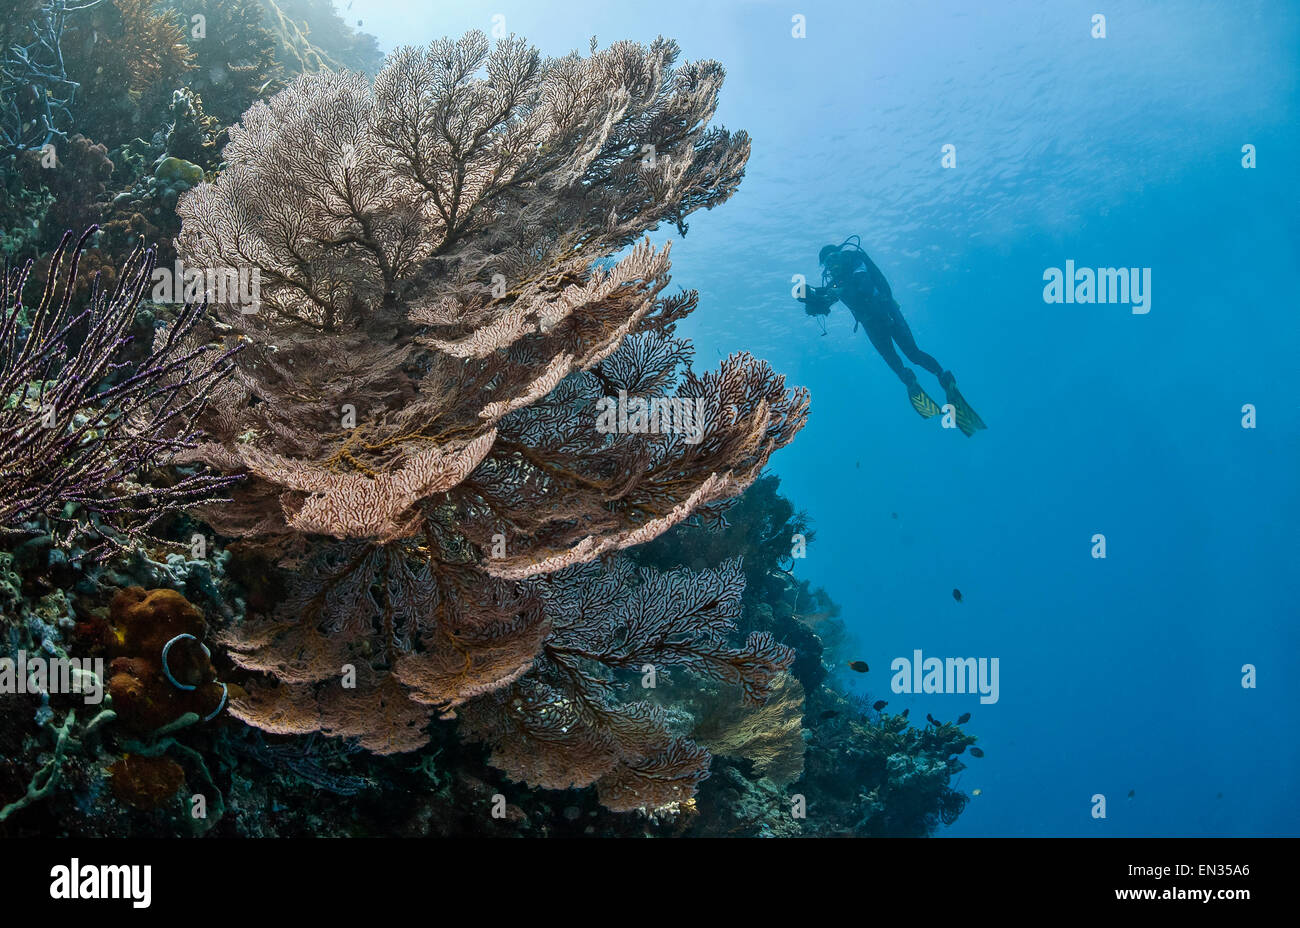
{"points": [[1117, 674]]}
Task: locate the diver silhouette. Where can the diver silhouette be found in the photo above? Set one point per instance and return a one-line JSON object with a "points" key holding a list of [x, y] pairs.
{"points": [[849, 276]]}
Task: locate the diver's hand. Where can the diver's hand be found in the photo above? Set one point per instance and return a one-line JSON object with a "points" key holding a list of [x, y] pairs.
{"points": [[819, 295]]}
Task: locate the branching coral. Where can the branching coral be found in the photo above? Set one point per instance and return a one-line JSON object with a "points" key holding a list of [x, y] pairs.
{"points": [[81, 426], [763, 528], [434, 253], [562, 726], [532, 173], [35, 91], [771, 736]]}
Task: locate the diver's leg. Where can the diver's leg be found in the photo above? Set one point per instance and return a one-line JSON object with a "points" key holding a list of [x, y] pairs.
{"points": [[967, 419], [879, 331], [902, 333]]}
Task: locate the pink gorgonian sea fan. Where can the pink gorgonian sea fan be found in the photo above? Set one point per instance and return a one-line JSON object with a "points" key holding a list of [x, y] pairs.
{"points": [[454, 271]]}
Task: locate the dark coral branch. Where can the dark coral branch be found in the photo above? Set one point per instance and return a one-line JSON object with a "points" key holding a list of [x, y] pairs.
{"points": [[83, 421]]}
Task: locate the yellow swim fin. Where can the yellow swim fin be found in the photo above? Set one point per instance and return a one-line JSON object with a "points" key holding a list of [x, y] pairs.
{"points": [[968, 420], [921, 401]]}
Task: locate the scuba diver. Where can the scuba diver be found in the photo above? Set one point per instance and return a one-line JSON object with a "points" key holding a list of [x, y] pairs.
{"points": [[848, 275]]}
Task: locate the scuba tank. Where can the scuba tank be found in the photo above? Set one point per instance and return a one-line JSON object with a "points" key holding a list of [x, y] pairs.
{"points": [[851, 248]]}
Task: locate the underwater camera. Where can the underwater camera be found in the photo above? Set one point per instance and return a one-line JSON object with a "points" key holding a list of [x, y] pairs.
{"points": [[818, 302]]}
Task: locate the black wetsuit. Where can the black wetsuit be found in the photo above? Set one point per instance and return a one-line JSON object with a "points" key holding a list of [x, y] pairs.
{"points": [[867, 295]]}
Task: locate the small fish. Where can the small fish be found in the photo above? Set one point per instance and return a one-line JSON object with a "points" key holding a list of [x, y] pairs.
{"points": [[930, 718], [1220, 796], [963, 718], [829, 714], [857, 464], [893, 515], [859, 666], [879, 704], [976, 752], [956, 594], [976, 792], [1131, 792], [904, 712]]}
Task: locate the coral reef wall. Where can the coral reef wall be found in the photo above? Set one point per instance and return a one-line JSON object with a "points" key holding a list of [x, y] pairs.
{"points": [[430, 508]]}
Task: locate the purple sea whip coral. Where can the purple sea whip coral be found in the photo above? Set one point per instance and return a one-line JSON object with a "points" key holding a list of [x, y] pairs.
{"points": [[83, 420]]}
